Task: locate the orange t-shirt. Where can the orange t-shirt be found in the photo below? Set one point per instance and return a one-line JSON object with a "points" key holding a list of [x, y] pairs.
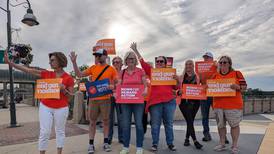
{"points": [[94, 72], [234, 102]]}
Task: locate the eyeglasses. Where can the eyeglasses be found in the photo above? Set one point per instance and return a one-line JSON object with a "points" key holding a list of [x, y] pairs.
{"points": [[130, 58], [160, 61], [51, 60], [223, 62], [116, 62]]}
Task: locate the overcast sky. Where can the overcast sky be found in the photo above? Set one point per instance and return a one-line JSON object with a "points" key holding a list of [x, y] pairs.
{"points": [[183, 29]]}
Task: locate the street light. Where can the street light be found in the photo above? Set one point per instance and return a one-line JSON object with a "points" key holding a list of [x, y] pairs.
{"points": [[30, 20]]}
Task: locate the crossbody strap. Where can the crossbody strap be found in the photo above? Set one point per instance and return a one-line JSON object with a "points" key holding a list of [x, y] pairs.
{"points": [[123, 73], [102, 72]]}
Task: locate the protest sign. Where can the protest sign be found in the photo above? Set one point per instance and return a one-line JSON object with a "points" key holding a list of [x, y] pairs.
{"points": [[220, 87], [205, 67], [130, 94], [163, 76], [191, 91], [48, 88], [98, 88], [169, 62], [108, 44]]}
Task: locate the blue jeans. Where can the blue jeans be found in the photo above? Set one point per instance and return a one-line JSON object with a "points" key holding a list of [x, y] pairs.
{"points": [[117, 107], [166, 112], [205, 108], [137, 110]]}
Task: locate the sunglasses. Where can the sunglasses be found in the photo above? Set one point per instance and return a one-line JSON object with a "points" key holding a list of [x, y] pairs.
{"points": [[98, 55], [160, 61], [223, 62]]}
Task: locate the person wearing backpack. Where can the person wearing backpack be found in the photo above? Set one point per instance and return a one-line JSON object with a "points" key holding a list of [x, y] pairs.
{"points": [[101, 104], [229, 108]]}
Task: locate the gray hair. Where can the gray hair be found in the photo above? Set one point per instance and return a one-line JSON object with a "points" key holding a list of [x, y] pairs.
{"points": [[126, 56]]}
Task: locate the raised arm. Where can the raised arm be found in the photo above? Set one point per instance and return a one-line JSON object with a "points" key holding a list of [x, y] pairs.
{"points": [[21, 67], [144, 65], [77, 71]]}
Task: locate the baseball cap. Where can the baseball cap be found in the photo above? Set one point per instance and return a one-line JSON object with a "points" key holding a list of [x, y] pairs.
{"points": [[209, 54], [101, 52]]}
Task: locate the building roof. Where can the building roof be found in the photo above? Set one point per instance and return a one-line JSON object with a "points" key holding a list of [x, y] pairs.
{"points": [[19, 77]]}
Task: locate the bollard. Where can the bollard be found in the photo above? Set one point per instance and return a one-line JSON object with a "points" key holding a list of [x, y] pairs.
{"points": [[77, 109]]}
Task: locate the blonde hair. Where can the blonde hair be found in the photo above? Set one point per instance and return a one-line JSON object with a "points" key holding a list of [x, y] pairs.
{"points": [[126, 56], [193, 72], [229, 62]]}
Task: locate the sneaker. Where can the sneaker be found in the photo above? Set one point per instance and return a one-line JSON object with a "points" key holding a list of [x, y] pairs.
{"points": [[219, 148], [172, 147], [198, 145], [139, 151], [235, 150], [154, 148], [106, 147], [186, 142], [206, 137], [124, 151], [91, 149]]}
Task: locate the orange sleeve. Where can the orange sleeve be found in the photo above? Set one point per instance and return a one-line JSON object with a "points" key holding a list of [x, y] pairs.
{"points": [[88, 71], [240, 78], [114, 74]]}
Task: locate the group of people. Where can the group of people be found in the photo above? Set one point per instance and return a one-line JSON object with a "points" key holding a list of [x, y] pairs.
{"points": [[160, 101]]}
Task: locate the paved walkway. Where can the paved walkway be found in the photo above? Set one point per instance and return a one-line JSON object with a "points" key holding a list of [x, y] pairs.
{"points": [[252, 131]]}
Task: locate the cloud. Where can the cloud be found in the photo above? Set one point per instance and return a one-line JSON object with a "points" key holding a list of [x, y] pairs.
{"points": [[183, 29]]}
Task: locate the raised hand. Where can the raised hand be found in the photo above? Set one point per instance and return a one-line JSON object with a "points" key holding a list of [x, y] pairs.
{"points": [[133, 46], [73, 56]]}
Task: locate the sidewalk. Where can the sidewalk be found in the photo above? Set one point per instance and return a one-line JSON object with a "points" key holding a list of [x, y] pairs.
{"points": [[252, 131]]}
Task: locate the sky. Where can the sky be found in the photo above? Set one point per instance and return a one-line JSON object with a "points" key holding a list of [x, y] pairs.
{"points": [[183, 29]]}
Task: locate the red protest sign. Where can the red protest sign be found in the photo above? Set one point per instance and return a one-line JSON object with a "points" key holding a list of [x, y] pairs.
{"points": [[108, 44], [130, 94], [205, 67], [191, 91]]}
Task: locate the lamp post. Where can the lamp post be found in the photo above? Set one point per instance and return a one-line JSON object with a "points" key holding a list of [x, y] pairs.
{"points": [[30, 20]]}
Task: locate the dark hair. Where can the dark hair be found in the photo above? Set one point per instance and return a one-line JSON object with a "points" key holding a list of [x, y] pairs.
{"points": [[61, 58], [165, 59]]}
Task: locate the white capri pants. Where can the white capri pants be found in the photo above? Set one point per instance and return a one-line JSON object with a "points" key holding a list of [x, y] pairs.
{"points": [[46, 117]]}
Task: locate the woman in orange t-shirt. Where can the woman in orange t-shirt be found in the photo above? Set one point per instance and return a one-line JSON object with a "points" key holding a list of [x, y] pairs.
{"points": [[51, 109], [229, 108]]}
